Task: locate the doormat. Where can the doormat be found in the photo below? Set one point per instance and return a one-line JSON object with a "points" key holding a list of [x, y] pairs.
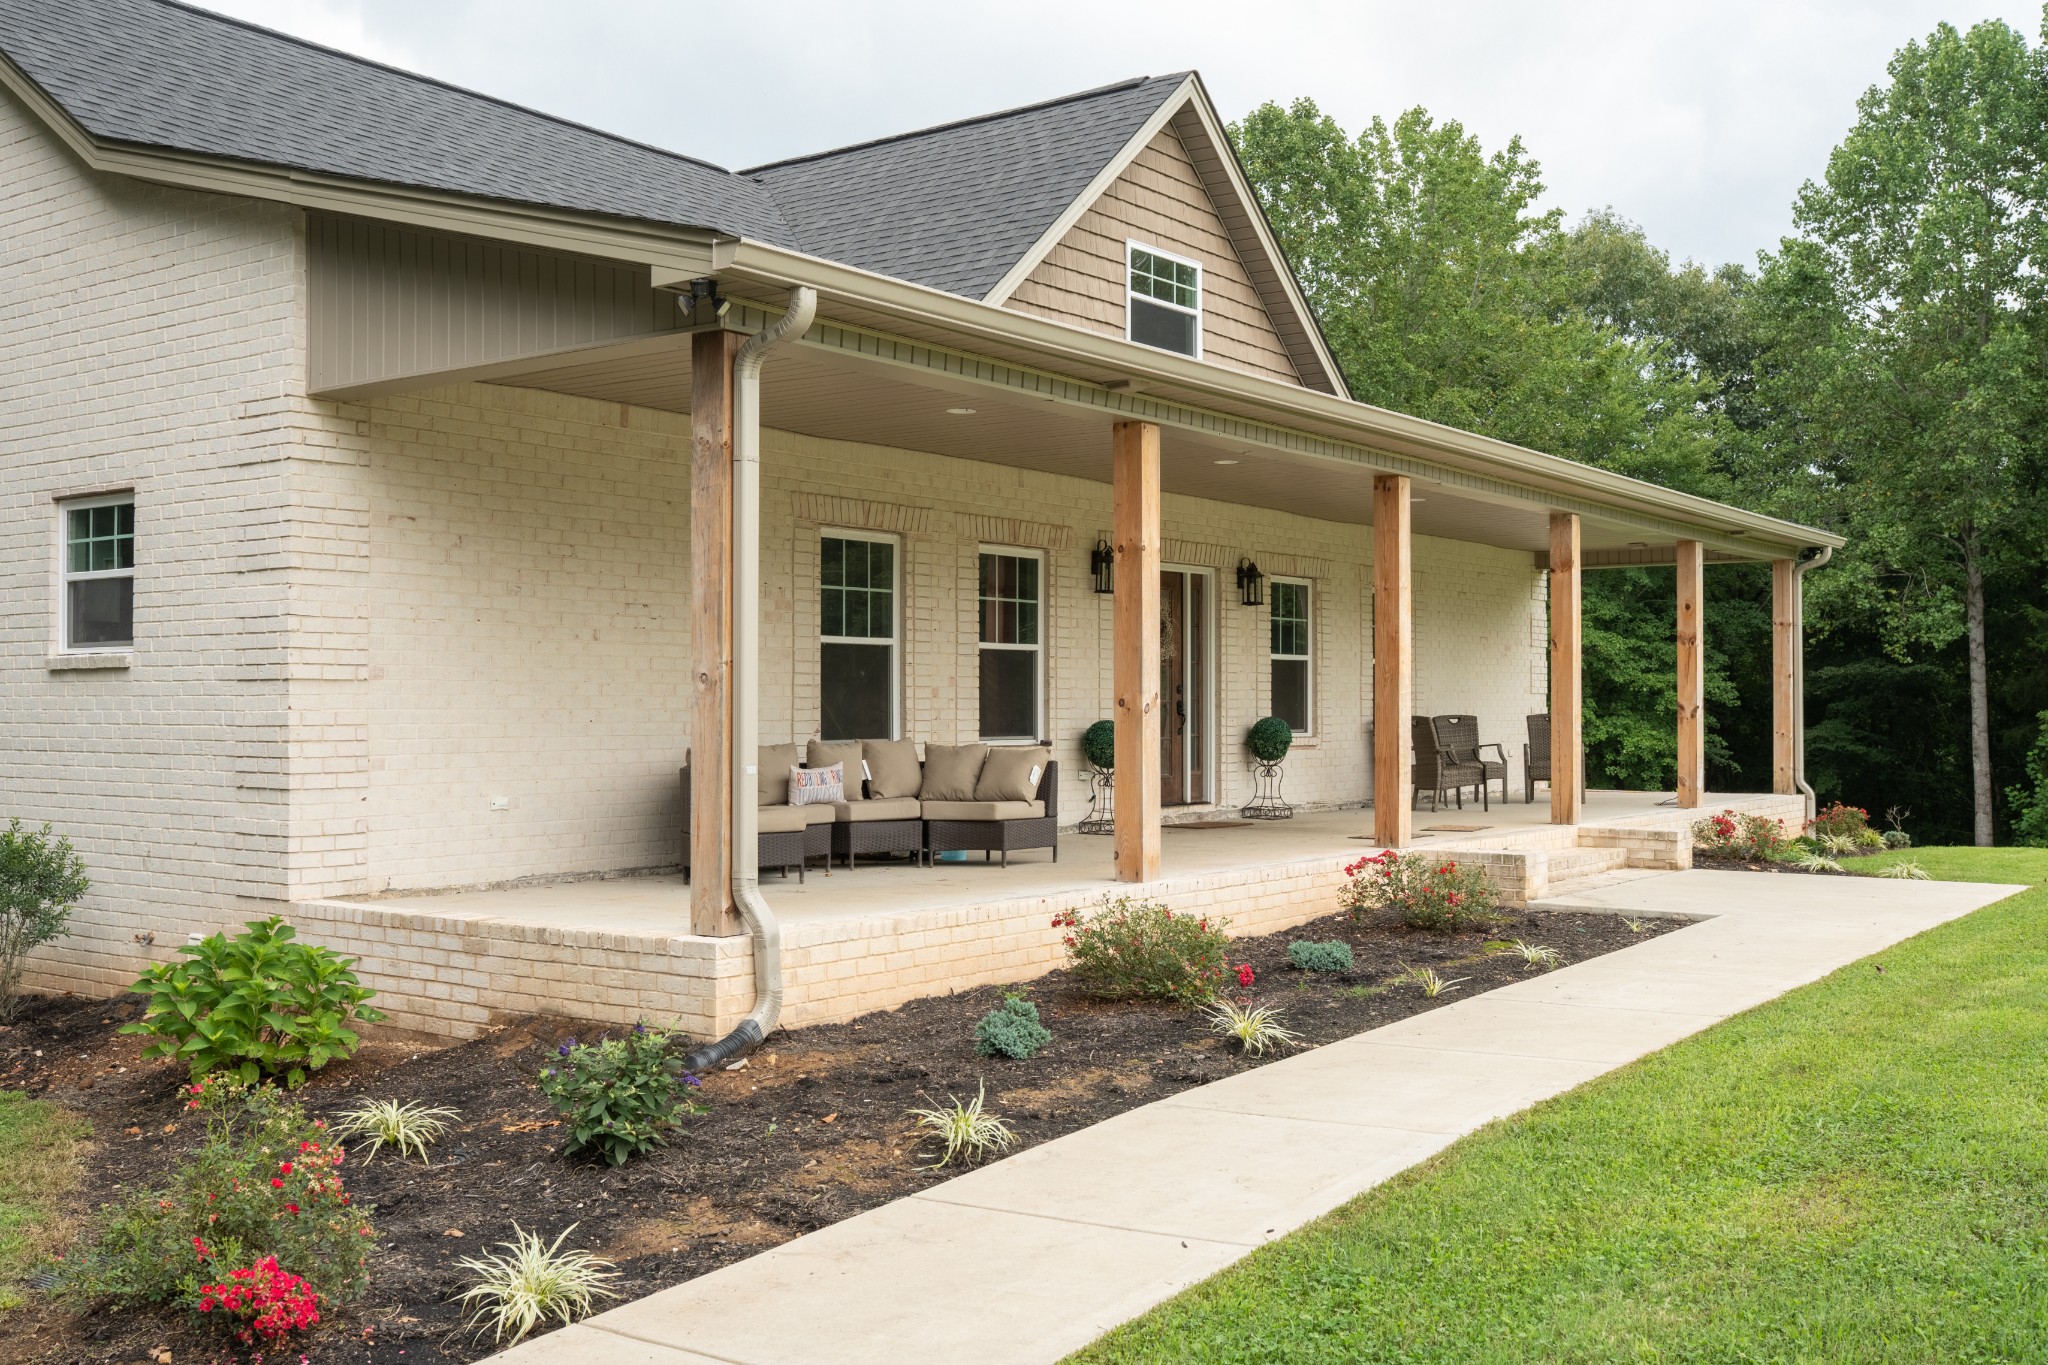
{"points": [[1208, 824], [1454, 829]]}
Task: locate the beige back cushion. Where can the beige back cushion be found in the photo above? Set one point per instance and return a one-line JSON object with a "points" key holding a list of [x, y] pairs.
{"points": [[776, 761], [1012, 774], [824, 753], [892, 767], [951, 771]]}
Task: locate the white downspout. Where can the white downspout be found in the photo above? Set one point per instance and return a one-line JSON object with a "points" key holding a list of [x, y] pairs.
{"points": [[1800, 566]]}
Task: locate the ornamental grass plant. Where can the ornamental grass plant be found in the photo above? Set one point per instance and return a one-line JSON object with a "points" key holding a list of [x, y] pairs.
{"points": [[531, 1283], [1141, 950]]}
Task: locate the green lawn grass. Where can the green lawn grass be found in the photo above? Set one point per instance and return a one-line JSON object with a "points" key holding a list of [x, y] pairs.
{"points": [[38, 1166], [1855, 1172], [2025, 866]]}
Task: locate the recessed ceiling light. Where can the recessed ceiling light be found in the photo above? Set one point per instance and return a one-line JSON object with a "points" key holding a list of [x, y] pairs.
{"points": [[961, 412], [1226, 462]]}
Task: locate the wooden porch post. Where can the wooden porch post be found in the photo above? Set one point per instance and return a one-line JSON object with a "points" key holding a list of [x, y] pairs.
{"points": [[1135, 649], [1692, 674], [1393, 662], [1784, 656], [1567, 744], [711, 547]]}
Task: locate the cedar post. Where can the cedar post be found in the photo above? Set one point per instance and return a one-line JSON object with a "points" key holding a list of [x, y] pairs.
{"points": [[1692, 674], [1393, 662], [1135, 649], [1567, 744], [711, 548], [1784, 662]]}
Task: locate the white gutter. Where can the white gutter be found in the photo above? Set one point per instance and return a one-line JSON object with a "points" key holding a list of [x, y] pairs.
{"points": [[1800, 566]]}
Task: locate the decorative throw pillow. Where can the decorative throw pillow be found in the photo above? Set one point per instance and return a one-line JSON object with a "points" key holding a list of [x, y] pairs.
{"points": [[892, 767], [771, 772], [846, 753], [817, 786], [1012, 774], [951, 770]]}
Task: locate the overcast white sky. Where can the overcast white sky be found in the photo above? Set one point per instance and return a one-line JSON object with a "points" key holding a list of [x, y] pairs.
{"points": [[1698, 121]]}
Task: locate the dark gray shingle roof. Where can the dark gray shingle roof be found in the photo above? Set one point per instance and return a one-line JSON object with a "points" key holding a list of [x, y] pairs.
{"points": [[956, 206]]}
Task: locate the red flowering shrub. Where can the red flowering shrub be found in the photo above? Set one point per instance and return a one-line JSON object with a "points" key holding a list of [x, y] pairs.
{"points": [[1748, 838], [270, 1302], [1840, 819], [1426, 894], [1132, 950]]}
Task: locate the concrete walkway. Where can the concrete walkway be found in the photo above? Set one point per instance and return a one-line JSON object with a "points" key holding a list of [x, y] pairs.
{"points": [[1035, 1256]]}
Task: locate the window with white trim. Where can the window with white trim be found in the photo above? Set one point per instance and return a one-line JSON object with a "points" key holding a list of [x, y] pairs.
{"points": [[99, 572], [1292, 653], [1163, 302], [1012, 644], [857, 636]]}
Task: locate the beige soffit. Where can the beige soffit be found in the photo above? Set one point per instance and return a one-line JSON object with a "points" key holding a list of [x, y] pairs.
{"points": [[1193, 118]]}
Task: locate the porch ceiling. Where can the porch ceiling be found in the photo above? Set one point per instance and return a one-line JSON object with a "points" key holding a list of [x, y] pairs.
{"points": [[846, 396]]}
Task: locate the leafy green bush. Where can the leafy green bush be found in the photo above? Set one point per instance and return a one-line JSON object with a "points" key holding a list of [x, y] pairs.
{"points": [[260, 1004], [1011, 1029], [40, 880], [1098, 744], [266, 1181], [1426, 894], [1141, 950], [1319, 957], [618, 1097], [1747, 838], [1270, 739], [1897, 838], [2029, 801]]}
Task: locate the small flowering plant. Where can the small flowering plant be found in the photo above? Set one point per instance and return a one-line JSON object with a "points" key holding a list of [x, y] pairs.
{"points": [[1840, 819], [269, 1302], [619, 1097], [1746, 838], [1426, 894], [1141, 950]]}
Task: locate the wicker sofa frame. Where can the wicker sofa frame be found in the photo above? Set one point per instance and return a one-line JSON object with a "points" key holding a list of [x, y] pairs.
{"points": [[783, 849], [1003, 836]]}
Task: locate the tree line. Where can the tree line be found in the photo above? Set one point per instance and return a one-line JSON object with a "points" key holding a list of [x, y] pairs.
{"points": [[1883, 373]]}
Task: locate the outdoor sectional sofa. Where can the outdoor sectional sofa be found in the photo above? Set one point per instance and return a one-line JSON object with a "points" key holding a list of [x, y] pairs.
{"points": [[999, 799]]}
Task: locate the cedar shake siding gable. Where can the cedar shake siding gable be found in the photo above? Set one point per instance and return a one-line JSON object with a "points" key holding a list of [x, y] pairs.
{"points": [[1159, 200]]}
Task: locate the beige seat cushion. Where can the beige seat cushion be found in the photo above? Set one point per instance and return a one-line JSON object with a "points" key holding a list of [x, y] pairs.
{"points": [[951, 770], [824, 753], [983, 810], [818, 812], [776, 760], [786, 819], [892, 768], [1012, 774], [877, 808]]}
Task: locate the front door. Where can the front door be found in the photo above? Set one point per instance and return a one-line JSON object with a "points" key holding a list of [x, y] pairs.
{"points": [[1183, 686]]}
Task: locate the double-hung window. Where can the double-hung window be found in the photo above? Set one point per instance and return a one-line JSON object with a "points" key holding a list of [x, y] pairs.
{"points": [[1164, 300], [99, 572], [1293, 661], [1012, 644], [857, 636]]}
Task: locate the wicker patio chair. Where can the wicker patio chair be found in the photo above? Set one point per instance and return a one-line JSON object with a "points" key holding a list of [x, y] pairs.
{"points": [[1436, 772], [1460, 738], [1536, 755], [808, 836], [878, 825], [1006, 835]]}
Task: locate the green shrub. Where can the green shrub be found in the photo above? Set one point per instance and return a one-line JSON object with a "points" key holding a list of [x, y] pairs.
{"points": [[1897, 838], [266, 1181], [1748, 838], [1011, 1029], [1320, 957], [1098, 744], [1270, 739], [618, 1097], [1424, 893], [1852, 821], [1141, 950], [40, 880], [259, 1005]]}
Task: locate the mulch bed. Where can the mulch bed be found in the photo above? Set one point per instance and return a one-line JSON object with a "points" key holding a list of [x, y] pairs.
{"points": [[811, 1131], [1717, 864]]}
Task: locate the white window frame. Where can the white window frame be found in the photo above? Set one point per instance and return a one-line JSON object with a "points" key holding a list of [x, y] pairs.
{"points": [[1308, 616], [895, 640], [65, 576], [1038, 720], [1132, 244]]}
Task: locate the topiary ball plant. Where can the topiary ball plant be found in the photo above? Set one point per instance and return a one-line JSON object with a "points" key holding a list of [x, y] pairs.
{"points": [[1098, 744], [1270, 739], [1011, 1029]]}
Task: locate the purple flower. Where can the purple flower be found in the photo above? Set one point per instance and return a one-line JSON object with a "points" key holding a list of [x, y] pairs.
{"points": [[691, 1080], [563, 1050], [639, 1029]]}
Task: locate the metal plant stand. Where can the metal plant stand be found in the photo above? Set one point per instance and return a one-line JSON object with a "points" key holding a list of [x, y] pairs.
{"points": [[1266, 802], [1101, 804]]}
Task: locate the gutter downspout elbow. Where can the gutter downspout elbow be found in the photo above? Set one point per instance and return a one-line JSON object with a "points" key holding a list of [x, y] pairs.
{"points": [[745, 683], [1800, 567]]}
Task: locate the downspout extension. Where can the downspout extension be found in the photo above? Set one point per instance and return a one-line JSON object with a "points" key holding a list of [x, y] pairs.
{"points": [[745, 684], [1807, 560]]}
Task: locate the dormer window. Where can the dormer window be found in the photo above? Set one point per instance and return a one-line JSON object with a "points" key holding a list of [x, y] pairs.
{"points": [[1165, 300]]}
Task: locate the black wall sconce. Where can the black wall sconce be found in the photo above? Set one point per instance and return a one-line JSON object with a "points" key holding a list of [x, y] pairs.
{"points": [[1251, 584], [1102, 567]]}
